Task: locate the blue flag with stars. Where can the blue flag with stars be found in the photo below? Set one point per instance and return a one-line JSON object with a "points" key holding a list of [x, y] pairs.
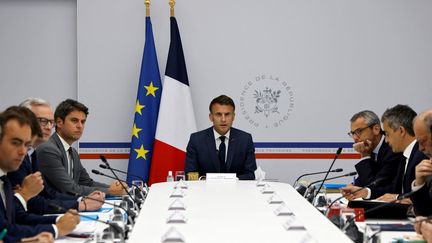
{"points": [[146, 111]]}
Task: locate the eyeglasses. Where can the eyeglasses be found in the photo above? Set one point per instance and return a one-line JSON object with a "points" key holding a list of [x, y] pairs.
{"points": [[44, 121], [359, 131]]}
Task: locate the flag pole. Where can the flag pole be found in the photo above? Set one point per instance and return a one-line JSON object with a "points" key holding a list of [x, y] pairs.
{"points": [[147, 3], [172, 3]]}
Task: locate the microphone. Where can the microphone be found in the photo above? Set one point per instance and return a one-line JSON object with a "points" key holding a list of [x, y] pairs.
{"points": [[312, 195], [113, 226], [316, 173], [117, 178], [338, 152], [374, 183], [128, 194], [129, 212], [384, 204], [124, 172], [143, 191]]}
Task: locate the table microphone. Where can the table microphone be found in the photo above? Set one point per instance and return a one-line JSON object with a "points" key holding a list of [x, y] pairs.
{"points": [[315, 173], [373, 183], [116, 178], [338, 152], [129, 212], [350, 221], [143, 190], [331, 178], [111, 225]]}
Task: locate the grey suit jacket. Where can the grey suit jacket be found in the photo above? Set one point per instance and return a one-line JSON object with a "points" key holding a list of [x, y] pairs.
{"points": [[53, 164]]}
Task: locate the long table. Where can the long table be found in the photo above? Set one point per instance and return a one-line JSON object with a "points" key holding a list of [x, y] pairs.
{"points": [[232, 212]]}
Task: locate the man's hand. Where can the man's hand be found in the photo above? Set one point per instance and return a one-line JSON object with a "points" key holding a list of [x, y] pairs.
{"points": [[422, 171], [347, 192], [67, 222], [116, 188], [92, 202], [31, 186], [426, 230], [364, 148], [44, 237]]}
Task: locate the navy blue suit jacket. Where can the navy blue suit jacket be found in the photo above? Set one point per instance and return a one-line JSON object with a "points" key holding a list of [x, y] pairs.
{"points": [[201, 154], [385, 169], [22, 224], [40, 203], [422, 199], [415, 158]]}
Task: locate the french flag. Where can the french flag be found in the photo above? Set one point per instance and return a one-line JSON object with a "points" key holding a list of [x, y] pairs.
{"points": [[176, 120]]}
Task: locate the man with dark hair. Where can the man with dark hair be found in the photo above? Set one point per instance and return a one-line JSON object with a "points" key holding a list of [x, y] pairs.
{"points": [[16, 133], [221, 148], [377, 163], [399, 134], [40, 204], [60, 163]]}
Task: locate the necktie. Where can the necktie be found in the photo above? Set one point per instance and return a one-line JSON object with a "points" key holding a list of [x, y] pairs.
{"points": [[7, 188], [221, 154], [70, 164]]}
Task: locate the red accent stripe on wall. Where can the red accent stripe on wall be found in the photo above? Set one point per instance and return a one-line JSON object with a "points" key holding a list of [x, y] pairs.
{"points": [[304, 156], [258, 156]]}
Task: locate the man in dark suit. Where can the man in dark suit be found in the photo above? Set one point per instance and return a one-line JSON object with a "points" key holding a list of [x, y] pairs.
{"points": [[40, 204], [422, 199], [399, 134], [377, 163], [221, 148], [60, 163], [15, 137]]}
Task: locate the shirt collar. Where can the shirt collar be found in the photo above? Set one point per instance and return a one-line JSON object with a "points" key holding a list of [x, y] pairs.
{"points": [[66, 146], [377, 148], [408, 150], [2, 173], [217, 135], [30, 151]]}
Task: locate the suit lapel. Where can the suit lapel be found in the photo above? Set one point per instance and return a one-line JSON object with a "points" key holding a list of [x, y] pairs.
{"points": [[59, 145], [212, 151]]}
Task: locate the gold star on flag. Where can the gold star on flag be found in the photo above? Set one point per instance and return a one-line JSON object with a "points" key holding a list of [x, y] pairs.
{"points": [[141, 152], [135, 131], [138, 107], [151, 89]]}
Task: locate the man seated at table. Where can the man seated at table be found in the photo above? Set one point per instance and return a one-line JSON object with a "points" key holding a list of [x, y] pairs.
{"points": [[378, 163], [59, 162], [40, 204], [399, 134], [15, 137], [422, 199], [221, 148]]}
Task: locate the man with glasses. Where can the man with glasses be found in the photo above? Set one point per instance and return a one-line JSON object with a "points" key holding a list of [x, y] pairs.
{"points": [[377, 163], [30, 165]]}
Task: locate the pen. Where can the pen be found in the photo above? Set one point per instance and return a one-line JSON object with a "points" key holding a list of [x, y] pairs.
{"points": [[3, 233]]}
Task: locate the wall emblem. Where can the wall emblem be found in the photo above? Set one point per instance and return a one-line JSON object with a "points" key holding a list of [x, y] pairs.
{"points": [[266, 101]]}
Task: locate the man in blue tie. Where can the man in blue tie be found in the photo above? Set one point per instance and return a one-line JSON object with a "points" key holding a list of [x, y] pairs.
{"points": [[221, 148]]}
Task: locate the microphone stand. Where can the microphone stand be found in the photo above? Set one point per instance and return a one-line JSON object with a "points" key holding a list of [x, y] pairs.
{"points": [[338, 152], [315, 173]]}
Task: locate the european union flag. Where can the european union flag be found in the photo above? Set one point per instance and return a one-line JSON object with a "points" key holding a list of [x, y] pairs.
{"points": [[146, 110]]}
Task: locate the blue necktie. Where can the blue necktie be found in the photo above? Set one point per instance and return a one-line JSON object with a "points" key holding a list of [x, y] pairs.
{"points": [[221, 154]]}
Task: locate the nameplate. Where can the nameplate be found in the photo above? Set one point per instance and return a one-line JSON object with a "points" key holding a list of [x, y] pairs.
{"points": [[226, 177]]}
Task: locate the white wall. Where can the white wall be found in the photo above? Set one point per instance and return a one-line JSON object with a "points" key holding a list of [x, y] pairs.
{"points": [[337, 56]]}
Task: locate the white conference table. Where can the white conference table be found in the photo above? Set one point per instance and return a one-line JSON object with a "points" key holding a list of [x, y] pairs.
{"points": [[231, 212]]}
